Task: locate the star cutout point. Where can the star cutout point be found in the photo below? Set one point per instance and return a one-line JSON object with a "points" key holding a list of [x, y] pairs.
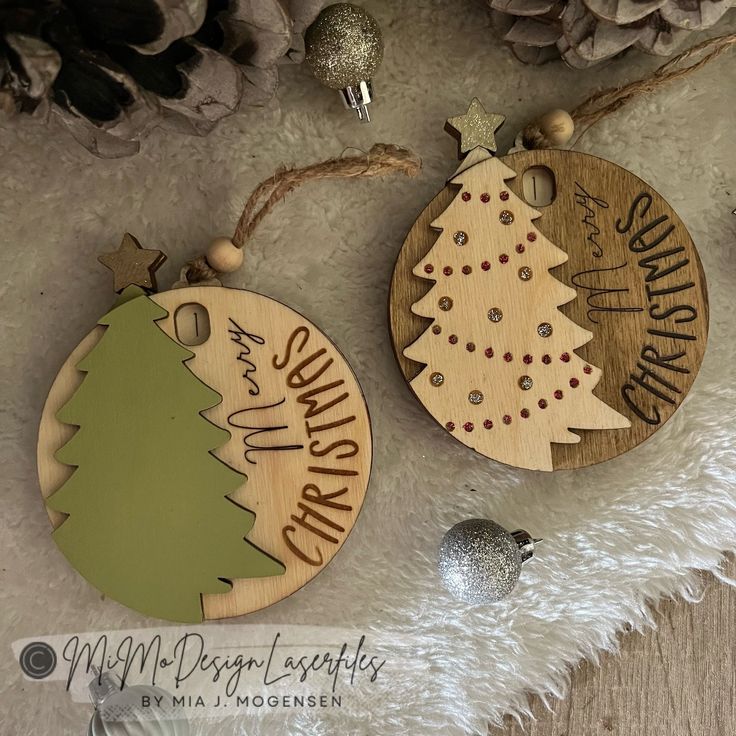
{"points": [[476, 127], [133, 265]]}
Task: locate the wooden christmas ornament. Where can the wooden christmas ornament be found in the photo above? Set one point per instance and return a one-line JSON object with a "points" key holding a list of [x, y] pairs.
{"points": [[204, 451], [217, 435], [548, 309]]}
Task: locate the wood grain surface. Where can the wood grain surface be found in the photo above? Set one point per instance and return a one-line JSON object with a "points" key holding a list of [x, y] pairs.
{"points": [[298, 423], [641, 292], [678, 680]]}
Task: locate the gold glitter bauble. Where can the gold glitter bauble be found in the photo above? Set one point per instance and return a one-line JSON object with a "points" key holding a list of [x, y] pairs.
{"points": [[344, 46]]}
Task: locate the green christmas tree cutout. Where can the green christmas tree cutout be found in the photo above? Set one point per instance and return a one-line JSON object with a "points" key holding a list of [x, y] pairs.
{"points": [[149, 519]]}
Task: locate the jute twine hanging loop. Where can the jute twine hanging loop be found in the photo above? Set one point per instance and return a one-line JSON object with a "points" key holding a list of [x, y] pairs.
{"points": [[380, 160], [607, 101]]}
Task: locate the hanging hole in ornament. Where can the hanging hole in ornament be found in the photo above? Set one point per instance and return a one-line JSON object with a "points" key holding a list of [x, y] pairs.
{"points": [[539, 186], [192, 324]]}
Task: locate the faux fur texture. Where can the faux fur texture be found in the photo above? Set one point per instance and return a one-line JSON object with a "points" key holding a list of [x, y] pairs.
{"points": [[618, 536]]}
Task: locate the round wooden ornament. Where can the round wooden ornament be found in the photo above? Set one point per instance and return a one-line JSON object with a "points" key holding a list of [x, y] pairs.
{"points": [[204, 452], [549, 309]]}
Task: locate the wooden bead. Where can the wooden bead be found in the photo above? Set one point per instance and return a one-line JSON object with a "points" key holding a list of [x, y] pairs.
{"points": [[557, 127], [224, 256]]}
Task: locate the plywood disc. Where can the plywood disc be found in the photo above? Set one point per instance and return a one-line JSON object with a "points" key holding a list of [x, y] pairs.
{"points": [[298, 423]]}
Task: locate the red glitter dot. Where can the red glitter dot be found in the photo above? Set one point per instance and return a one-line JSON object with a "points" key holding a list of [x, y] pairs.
{"points": [[468, 426], [488, 424], [558, 394], [528, 359], [542, 403], [467, 270], [531, 237], [485, 197], [470, 347], [587, 369], [524, 413], [546, 359], [574, 383], [428, 268], [503, 258], [504, 195], [488, 352], [465, 196], [485, 265], [507, 419], [508, 357], [450, 426], [520, 248], [565, 357], [447, 270], [452, 339]]}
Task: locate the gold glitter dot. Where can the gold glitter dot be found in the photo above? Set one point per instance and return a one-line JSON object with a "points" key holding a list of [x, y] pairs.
{"points": [[525, 273], [506, 217], [495, 314], [436, 379], [544, 329], [445, 303], [475, 397], [525, 383], [460, 237]]}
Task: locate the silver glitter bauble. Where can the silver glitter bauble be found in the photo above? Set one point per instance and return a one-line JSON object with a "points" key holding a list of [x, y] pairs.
{"points": [[119, 709], [480, 561], [344, 47]]}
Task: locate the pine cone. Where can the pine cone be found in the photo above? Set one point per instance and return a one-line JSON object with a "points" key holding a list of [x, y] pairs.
{"points": [[586, 32], [114, 69]]}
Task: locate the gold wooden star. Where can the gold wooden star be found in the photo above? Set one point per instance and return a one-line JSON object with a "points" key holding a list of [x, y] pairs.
{"points": [[476, 128], [133, 265]]}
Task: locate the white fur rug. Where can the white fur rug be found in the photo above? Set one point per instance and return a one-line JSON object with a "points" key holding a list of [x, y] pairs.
{"points": [[617, 536]]}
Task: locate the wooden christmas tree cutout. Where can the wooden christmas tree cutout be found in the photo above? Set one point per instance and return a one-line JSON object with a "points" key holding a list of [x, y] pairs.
{"points": [[500, 368], [149, 519]]}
